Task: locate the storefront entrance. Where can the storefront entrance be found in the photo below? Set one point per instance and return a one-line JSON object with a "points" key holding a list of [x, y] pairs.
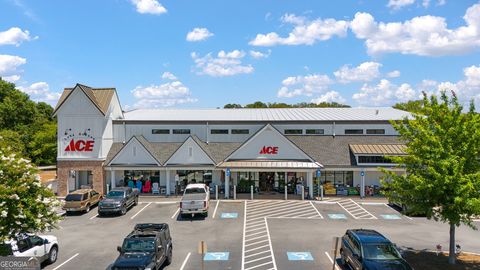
{"points": [[266, 182]]}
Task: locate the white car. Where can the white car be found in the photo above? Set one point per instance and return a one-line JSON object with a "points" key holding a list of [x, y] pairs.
{"points": [[42, 247], [195, 200]]}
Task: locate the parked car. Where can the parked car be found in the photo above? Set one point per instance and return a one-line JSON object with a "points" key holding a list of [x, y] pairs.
{"points": [[149, 246], [195, 200], [369, 250], [42, 247], [81, 200], [118, 200]]}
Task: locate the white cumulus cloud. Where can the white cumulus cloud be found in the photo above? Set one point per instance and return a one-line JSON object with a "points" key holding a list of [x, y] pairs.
{"points": [[331, 96], [224, 64], [364, 72], [398, 4], [259, 55], [384, 93], [393, 74], [198, 34], [15, 36], [305, 32], [169, 76], [304, 85], [9, 65], [40, 91], [424, 35], [163, 95], [149, 7]]}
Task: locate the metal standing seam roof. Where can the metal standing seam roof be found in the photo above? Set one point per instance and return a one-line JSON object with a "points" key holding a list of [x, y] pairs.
{"points": [[287, 114], [379, 149], [101, 97]]}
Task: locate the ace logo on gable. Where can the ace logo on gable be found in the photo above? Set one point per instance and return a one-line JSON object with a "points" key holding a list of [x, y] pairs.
{"points": [[269, 150], [80, 146]]}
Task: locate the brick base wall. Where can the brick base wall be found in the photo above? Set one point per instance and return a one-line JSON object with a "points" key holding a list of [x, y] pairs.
{"points": [[64, 168]]}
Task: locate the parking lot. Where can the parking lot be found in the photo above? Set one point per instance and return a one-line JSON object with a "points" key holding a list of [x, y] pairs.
{"points": [[249, 235]]}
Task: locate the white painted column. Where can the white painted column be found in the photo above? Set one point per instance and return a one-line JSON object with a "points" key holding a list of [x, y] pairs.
{"points": [[112, 179], [310, 184], [362, 184], [227, 186], [167, 182]]}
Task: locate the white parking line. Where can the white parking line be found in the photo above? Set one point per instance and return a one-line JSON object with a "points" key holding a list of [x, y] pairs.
{"points": [[176, 212], [331, 261], [94, 216], [318, 212], [271, 247], [71, 258], [141, 210], [184, 261], [243, 240], [215, 211]]}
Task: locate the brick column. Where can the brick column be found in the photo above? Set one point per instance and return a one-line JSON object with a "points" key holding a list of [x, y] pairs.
{"points": [[65, 166]]}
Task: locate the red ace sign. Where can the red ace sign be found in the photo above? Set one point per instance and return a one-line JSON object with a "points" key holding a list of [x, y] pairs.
{"points": [[80, 146], [269, 150]]}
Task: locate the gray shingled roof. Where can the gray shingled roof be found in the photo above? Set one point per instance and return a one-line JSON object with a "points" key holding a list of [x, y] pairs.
{"points": [[327, 150], [335, 151]]}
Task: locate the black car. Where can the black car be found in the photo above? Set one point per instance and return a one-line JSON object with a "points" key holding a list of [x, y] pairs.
{"points": [[118, 200], [369, 250], [148, 246]]}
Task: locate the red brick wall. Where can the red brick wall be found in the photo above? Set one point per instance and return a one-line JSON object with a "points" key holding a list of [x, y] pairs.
{"points": [[64, 167]]}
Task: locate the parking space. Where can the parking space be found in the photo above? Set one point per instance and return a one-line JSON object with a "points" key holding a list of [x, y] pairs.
{"points": [[272, 234]]}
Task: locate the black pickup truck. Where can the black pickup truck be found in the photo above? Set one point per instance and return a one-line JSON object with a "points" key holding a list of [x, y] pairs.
{"points": [[148, 246], [118, 200]]}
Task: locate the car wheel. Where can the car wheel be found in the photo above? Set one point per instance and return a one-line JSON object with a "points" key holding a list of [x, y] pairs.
{"points": [[52, 255], [168, 261], [124, 210], [205, 214], [87, 209]]}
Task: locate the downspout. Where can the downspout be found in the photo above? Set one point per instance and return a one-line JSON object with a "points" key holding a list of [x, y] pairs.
{"points": [[124, 132], [207, 132], [334, 129]]}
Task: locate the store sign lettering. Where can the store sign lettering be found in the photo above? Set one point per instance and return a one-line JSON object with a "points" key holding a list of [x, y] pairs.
{"points": [[80, 146], [269, 150]]}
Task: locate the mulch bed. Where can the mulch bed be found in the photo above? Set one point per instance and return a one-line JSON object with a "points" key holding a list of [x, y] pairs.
{"points": [[428, 260]]}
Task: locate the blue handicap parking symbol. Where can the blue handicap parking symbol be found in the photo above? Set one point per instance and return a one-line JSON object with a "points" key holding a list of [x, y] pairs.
{"points": [[229, 215], [216, 256], [390, 217], [337, 216], [299, 256]]}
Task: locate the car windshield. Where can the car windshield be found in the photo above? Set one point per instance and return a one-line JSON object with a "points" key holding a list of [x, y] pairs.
{"points": [[194, 190], [380, 251], [139, 245], [73, 197], [115, 193]]}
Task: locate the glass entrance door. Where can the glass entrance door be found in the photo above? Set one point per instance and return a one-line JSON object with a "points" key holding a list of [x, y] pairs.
{"points": [[267, 181]]}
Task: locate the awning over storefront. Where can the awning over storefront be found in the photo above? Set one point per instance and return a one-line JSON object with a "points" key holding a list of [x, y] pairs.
{"points": [[378, 149], [270, 164]]}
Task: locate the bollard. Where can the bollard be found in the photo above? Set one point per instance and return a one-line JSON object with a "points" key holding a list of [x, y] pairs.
{"points": [[216, 192], [286, 193], [251, 192], [321, 192], [234, 192], [303, 192]]}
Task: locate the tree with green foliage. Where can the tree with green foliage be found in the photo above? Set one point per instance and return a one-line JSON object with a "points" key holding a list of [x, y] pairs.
{"points": [[25, 204], [413, 106], [28, 125], [442, 164], [232, 106], [257, 104]]}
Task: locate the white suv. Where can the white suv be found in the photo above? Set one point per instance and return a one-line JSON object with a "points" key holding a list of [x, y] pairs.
{"points": [[42, 247]]}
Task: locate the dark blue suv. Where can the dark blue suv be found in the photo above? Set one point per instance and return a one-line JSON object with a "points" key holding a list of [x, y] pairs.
{"points": [[369, 250]]}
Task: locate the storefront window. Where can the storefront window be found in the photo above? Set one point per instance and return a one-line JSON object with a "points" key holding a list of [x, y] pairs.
{"points": [[339, 180]]}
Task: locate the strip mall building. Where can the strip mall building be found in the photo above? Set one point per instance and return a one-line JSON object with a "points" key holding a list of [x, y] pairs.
{"points": [[102, 146]]}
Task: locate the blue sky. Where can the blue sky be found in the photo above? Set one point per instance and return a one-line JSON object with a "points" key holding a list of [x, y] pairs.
{"points": [[169, 53]]}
